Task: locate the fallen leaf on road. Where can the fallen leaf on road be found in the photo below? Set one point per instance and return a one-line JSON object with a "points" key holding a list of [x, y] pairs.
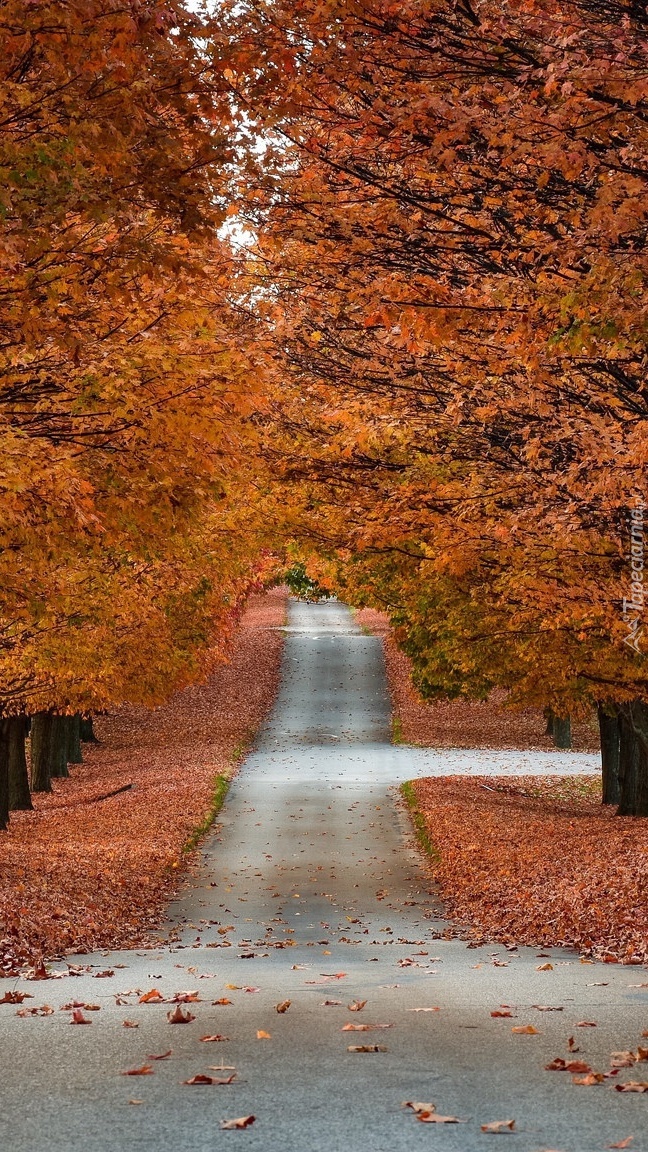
{"points": [[103, 975], [223, 1000], [145, 1070], [261, 1035], [241, 1122], [79, 1018], [45, 1010], [498, 1126], [633, 1086], [416, 1106], [572, 1045], [497, 1013], [331, 1003], [544, 968], [356, 1005], [365, 1027], [434, 1118], [591, 1078], [283, 1006], [586, 1024], [15, 997], [560, 1065], [525, 1030], [622, 1143], [152, 997], [180, 1016], [367, 1048], [185, 998], [216, 1039], [421, 1009], [201, 1078], [162, 1056], [135, 1101], [130, 1024]]}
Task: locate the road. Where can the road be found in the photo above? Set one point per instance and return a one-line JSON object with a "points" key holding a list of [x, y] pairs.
{"points": [[309, 890]]}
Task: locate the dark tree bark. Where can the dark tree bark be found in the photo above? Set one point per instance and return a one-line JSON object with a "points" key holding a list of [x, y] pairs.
{"points": [[4, 775], [561, 731], [19, 794], [41, 776], [549, 717], [87, 731], [633, 760], [59, 746], [74, 753], [609, 728]]}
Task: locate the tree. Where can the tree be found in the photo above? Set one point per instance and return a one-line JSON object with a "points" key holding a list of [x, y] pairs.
{"points": [[451, 213]]}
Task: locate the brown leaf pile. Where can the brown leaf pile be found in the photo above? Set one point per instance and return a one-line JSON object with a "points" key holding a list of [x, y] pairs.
{"points": [[539, 861], [76, 874], [462, 723]]}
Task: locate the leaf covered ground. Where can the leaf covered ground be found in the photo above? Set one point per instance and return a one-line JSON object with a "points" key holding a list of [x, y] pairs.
{"points": [[82, 873], [539, 860], [535, 860]]}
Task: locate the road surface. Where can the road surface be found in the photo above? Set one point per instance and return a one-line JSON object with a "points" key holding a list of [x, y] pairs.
{"points": [[309, 890]]}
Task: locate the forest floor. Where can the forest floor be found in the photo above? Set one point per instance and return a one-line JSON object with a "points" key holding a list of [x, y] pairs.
{"points": [[532, 860], [80, 872]]}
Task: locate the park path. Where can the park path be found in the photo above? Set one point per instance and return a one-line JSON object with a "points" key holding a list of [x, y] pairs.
{"points": [[309, 890]]}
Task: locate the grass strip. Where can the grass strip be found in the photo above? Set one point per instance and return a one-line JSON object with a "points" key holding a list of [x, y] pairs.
{"points": [[419, 823], [221, 786]]}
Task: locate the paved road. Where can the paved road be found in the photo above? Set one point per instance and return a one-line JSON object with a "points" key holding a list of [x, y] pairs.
{"points": [[310, 880]]}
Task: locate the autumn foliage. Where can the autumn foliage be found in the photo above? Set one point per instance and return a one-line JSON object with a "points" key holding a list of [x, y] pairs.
{"points": [[451, 214]]}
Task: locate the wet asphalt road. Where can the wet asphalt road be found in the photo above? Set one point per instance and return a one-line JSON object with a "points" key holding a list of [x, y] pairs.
{"points": [[309, 890]]}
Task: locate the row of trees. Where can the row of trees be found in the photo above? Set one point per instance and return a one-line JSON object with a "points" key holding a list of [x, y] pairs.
{"points": [[452, 218], [127, 390]]}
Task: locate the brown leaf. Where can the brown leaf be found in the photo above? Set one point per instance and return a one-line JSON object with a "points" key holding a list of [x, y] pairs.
{"points": [[201, 1078], [152, 997], [367, 1048], [180, 1016], [591, 1078], [633, 1086], [498, 1126], [434, 1118], [130, 1024], [283, 1006], [162, 1056], [216, 1039], [223, 1000], [240, 1122], [79, 1018], [544, 968], [525, 1030], [622, 1143], [497, 1012], [145, 1070], [416, 1106], [356, 1005], [15, 997], [261, 1035]]}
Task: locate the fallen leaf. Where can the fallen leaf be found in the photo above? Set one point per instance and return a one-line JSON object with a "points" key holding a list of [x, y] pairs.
{"points": [[356, 1005], [622, 1143], [145, 1070], [16, 997], [525, 1030], [434, 1118], [180, 1016], [162, 1056], [423, 1009], [498, 1013], [283, 1006], [416, 1106], [216, 1039], [152, 997], [367, 1048], [79, 1018], [586, 1024], [130, 1024], [223, 1000], [633, 1086], [591, 1078], [498, 1126], [241, 1122], [331, 1003], [261, 1035], [201, 1078], [135, 1101], [544, 968]]}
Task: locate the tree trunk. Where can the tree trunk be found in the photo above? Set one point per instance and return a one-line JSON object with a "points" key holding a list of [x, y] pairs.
{"points": [[610, 731], [549, 717], [87, 732], [4, 775], [561, 731], [41, 728], [633, 759], [59, 746], [74, 754], [19, 794]]}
